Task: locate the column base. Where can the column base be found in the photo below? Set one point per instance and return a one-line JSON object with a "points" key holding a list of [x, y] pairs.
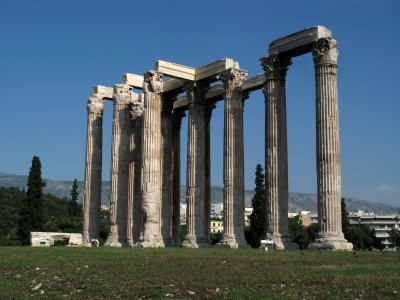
{"points": [[176, 243], [195, 242], [112, 241], [130, 243], [149, 244], [168, 242], [282, 242], [86, 244], [331, 242], [233, 242]]}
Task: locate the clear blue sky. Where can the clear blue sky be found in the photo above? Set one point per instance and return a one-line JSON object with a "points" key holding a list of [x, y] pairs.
{"points": [[53, 52]]}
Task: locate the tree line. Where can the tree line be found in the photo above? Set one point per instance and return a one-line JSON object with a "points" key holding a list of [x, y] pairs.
{"points": [[31, 210], [25, 211]]}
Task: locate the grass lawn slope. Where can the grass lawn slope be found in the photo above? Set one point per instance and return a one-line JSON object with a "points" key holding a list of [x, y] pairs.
{"points": [[178, 273]]}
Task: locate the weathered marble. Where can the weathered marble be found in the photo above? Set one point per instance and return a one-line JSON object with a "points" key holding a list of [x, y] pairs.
{"points": [[299, 42], [166, 168], [276, 159], [330, 233], [133, 80], [234, 224], [207, 155], [151, 163], [93, 169], [135, 156], [145, 164], [46, 239], [195, 178], [117, 236], [176, 150]]}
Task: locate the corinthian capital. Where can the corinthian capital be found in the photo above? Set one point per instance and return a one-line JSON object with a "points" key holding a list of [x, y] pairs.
{"points": [[196, 91], [325, 51], [122, 94], [275, 66], [95, 104], [232, 79], [152, 82], [136, 109]]}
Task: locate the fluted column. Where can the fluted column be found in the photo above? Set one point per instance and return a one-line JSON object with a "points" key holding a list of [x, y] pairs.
{"points": [[176, 158], [166, 164], [330, 233], [207, 198], [234, 222], [119, 167], [93, 167], [195, 179], [135, 157], [276, 157], [151, 163]]}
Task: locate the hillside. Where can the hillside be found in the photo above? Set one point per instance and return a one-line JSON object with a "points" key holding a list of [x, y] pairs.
{"points": [[297, 201]]}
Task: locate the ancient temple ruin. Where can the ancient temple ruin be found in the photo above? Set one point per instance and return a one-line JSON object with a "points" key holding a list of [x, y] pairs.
{"points": [[145, 163]]}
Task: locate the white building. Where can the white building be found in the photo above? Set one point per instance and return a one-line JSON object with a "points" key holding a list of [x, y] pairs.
{"points": [[381, 224]]}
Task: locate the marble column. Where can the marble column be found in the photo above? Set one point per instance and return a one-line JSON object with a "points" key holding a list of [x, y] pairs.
{"points": [[207, 198], [166, 168], [135, 157], [330, 233], [195, 179], [117, 236], [234, 222], [151, 163], [93, 168], [176, 158], [276, 157]]}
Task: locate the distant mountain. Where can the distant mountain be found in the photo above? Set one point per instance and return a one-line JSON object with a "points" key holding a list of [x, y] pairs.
{"points": [[297, 201]]}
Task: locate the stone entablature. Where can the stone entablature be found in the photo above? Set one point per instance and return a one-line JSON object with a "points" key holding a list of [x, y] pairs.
{"points": [[145, 168]]}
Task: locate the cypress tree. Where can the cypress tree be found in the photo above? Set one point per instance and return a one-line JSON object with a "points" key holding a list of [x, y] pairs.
{"points": [[257, 217], [74, 208], [31, 216]]}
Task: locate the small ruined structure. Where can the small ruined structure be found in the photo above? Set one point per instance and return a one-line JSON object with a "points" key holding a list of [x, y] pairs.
{"points": [[145, 162], [46, 239]]}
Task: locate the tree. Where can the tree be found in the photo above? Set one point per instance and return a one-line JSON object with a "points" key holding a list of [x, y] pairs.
{"points": [[345, 216], [362, 237], [31, 216], [74, 208], [257, 217], [394, 237], [301, 235]]}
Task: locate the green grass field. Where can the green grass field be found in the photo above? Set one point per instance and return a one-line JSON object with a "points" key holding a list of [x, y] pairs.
{"points": [[177, 273]]}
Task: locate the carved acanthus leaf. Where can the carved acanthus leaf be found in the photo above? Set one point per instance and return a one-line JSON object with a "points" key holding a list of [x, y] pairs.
{"points": [[136, 109], [122, 94], [196, 91], [232, 78], [275, 66], [152, 82], [95, 104], [325, 51]]}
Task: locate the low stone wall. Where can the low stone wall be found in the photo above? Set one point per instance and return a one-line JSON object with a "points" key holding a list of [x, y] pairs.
{"points": [[47, 239]]}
